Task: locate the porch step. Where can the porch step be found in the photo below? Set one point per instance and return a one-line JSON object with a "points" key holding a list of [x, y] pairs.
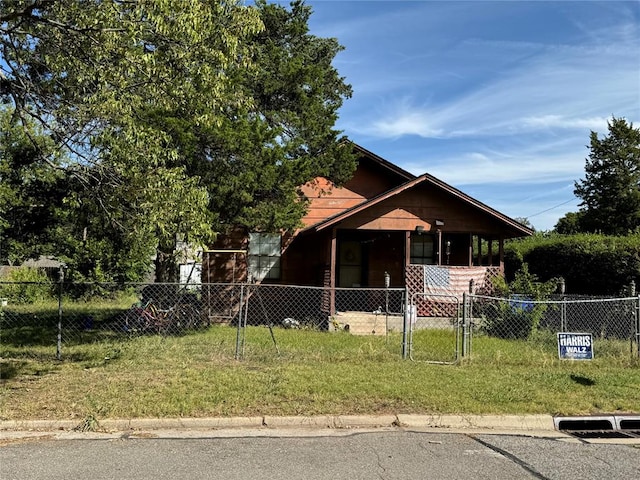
{"points": [[365, 323]]}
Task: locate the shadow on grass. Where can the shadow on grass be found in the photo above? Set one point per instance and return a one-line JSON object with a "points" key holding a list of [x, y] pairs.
{"points": [[11, 369]]}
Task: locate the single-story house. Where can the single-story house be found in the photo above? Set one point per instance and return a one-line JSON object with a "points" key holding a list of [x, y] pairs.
{"points": [[384, 225]]}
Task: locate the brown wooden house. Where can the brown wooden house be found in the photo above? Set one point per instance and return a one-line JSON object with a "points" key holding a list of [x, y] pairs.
{"points": [[385, 220]]}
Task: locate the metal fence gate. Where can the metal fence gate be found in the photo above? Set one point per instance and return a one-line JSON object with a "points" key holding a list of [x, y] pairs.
{"points": [[435, 323]]}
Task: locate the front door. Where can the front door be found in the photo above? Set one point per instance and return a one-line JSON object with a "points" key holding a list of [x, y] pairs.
{"points": [[350, 264]]}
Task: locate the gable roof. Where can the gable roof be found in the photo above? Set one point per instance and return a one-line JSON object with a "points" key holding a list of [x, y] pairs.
{"points": [[514, 226], [423, 179], [382, 162]]}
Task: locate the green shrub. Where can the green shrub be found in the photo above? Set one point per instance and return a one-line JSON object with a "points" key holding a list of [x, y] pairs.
{"points": [[27, 285], [520, 316], [591, 264]]}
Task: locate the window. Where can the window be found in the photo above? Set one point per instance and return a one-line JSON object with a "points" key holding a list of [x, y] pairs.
{"points": [[264, 256], [422, 251]]}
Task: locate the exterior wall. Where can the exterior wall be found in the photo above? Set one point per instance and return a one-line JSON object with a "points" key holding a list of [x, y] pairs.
{"points": [[368, 181], [327, 200], [224, 262], [306, 259], [371, 180], [383, 229], [379, 252]]}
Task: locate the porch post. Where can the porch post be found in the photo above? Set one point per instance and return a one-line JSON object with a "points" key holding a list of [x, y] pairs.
{"points": [[439, 247], [501, 254], [470, 255], [407, 248], [332, 270], [491, 252]]}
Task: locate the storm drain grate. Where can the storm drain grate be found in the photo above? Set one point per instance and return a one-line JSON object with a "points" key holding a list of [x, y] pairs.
{"points": [[609, 426], [630, 425]]}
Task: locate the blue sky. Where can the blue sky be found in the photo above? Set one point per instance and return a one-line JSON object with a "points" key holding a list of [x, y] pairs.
{"points": [[495, 98]]}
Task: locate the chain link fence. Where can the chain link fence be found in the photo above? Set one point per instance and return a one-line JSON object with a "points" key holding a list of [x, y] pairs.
{"points": [[53, 321], [613, 323], [42, 320]]}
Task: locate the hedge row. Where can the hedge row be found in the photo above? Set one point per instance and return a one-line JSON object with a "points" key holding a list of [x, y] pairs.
{"points": [[591, 264]]}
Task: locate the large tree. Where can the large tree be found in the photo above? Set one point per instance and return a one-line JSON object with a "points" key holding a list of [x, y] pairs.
{"points": [[90, 71], [182, 118], [610, 191], [570, 224], [46, 211], [254, 161], [29, 189]]}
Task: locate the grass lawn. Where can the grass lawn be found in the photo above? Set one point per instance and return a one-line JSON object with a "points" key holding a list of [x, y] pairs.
{"points": [[312, 373]]}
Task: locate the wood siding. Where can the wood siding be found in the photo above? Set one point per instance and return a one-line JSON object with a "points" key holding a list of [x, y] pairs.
{"points": [[327, 200], [421, 206]]}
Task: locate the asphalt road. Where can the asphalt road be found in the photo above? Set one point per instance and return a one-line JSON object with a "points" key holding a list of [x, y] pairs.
{"points": [[331, 455]]}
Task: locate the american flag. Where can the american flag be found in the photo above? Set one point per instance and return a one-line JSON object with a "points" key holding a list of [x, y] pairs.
{"points": [[454, 281]]}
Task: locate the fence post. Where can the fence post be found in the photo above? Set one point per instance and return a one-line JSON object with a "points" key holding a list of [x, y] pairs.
{"points": [[563, 305], [60, 286], [238, 334], [637, 333], [387, 284], [405, 324], [465, 317]]}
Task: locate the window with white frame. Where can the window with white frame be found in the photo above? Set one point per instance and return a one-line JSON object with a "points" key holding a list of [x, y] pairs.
{"points": [[264, 255]]}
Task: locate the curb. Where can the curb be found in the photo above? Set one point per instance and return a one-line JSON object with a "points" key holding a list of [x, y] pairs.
{"points": [[490, 422], [519, 423]]}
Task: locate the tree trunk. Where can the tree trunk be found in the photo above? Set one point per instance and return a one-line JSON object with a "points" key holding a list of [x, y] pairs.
{"points": [[166, 265]]}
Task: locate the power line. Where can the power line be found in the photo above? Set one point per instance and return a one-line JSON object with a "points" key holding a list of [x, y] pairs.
{"points": [[551, 208]]}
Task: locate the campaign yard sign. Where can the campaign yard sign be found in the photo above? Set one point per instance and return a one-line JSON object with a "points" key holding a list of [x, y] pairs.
{"points": [[575, 346]]}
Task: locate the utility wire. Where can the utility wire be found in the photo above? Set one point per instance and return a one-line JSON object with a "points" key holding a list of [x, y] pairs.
{"points": [[551, 208]]}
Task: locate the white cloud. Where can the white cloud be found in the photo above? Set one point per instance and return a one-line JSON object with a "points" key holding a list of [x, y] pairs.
{"points": [[558, 121], [474, 169], [544, 87], [497, 98], [405, 121]]}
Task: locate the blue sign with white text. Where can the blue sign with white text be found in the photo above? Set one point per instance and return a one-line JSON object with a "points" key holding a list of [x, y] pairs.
{"points": [[575, 346]]}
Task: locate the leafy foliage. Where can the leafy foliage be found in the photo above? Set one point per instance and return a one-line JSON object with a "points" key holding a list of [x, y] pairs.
{"points": [[175, 119], [610, 191], [44, 210], [90, 72], [520, 317], [31, 183], [570, 224], [27, 285], [593, 264]]}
